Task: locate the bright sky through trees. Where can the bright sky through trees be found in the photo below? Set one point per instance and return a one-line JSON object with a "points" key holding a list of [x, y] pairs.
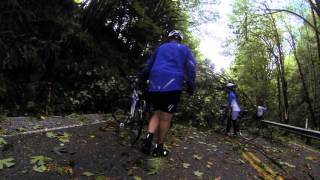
{"points": [[213, 34]]}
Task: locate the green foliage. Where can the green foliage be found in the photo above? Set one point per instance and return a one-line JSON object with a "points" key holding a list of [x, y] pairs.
{"points": [[198, 174], [88, 174], [6, 163], [262, 40], [186, 165], [63, 138], [61, 56], [2, 142], [202, 109], [40, 163], [137, 178]]}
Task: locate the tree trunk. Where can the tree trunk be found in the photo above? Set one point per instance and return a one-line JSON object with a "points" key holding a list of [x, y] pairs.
{"points": [[317, 34], [279, 96], [315, 6], [282, 73], [303, 81]]}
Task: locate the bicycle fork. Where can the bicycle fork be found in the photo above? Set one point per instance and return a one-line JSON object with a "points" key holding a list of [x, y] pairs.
{"points": [[134, 100]]}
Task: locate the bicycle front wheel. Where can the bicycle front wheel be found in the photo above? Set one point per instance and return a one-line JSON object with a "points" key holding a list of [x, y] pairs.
{"points": [[137, 122]]}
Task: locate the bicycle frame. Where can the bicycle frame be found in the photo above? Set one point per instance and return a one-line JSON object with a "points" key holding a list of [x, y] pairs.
{"points": [[135, 101], [136, 115]]}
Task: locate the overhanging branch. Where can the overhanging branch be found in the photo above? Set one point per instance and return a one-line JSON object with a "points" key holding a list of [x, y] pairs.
{"points": [[272, 11]]}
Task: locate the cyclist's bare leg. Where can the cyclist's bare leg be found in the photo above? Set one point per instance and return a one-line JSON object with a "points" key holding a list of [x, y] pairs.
{"points": [[154, 122], [152, 128], [165, 123]]}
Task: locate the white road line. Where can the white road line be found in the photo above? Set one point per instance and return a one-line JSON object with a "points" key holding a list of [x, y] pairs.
{"points": [[51, 129]]}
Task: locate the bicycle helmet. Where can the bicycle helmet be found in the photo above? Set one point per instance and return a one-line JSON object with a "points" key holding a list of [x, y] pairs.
{"points": [[230, 85], [175, 33]]}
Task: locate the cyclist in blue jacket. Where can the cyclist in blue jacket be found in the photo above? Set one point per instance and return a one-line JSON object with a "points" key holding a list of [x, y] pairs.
{"points": [[234, 107], [167, 68]]}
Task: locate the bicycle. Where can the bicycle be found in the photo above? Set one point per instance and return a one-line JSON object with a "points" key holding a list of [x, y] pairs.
{"points": [[130, 112], [241, 121], [245, 121]]}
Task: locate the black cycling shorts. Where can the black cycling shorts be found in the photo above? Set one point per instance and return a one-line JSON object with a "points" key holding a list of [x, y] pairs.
{"points": [[164, 101]]}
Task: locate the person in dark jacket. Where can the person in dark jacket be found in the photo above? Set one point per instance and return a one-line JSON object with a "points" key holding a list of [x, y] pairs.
{"points": [[167, 68]]}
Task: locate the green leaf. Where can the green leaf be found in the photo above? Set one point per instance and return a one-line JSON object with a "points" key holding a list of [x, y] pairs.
{"points": [[198, 173], [101, 178], [197, 157], [51, 135], [65, 138], [137, 178], [2, 142], [310, 158], [87, 173], [6, 163], [40, 159], [40, 163], [186, 165], [41, 168]]}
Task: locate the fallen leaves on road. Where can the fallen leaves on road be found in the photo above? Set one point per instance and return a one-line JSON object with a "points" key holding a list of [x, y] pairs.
{"points": [[198, 173], [62, 137], [2, 142], [6, 163], [197, 157], [137, 178], [209, 164], [310, 158], [40, 163], [88, 174], [186, 165]]}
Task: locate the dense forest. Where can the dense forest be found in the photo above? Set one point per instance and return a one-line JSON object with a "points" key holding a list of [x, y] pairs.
{"points": [[277, 57], [61, 56], [65, 56]]}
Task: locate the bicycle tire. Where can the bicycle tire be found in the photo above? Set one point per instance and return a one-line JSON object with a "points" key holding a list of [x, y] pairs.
{"points": [[137, 122]]}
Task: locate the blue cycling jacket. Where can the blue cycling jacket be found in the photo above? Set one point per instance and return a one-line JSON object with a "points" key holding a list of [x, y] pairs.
{"points": [[168, 66], [233, 102]]}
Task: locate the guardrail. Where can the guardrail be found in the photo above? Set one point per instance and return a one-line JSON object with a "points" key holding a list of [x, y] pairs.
{"points": [[296, 130]]}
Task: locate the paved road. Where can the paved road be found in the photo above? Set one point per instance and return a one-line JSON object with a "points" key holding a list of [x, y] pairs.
{"points": [[89, 152]]}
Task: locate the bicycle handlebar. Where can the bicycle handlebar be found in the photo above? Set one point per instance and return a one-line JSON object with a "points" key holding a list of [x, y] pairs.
{"points": [[133, 78]]}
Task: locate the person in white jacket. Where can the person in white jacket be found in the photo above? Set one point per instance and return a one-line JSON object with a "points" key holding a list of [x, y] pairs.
{"points": [[260, 111]]}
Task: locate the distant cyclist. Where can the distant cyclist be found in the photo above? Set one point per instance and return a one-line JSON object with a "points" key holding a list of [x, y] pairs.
{"points": [[167, 68], [234, 107]]}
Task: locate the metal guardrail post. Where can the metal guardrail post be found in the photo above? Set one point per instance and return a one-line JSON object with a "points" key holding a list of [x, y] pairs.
{"points": [[296, 130]]}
